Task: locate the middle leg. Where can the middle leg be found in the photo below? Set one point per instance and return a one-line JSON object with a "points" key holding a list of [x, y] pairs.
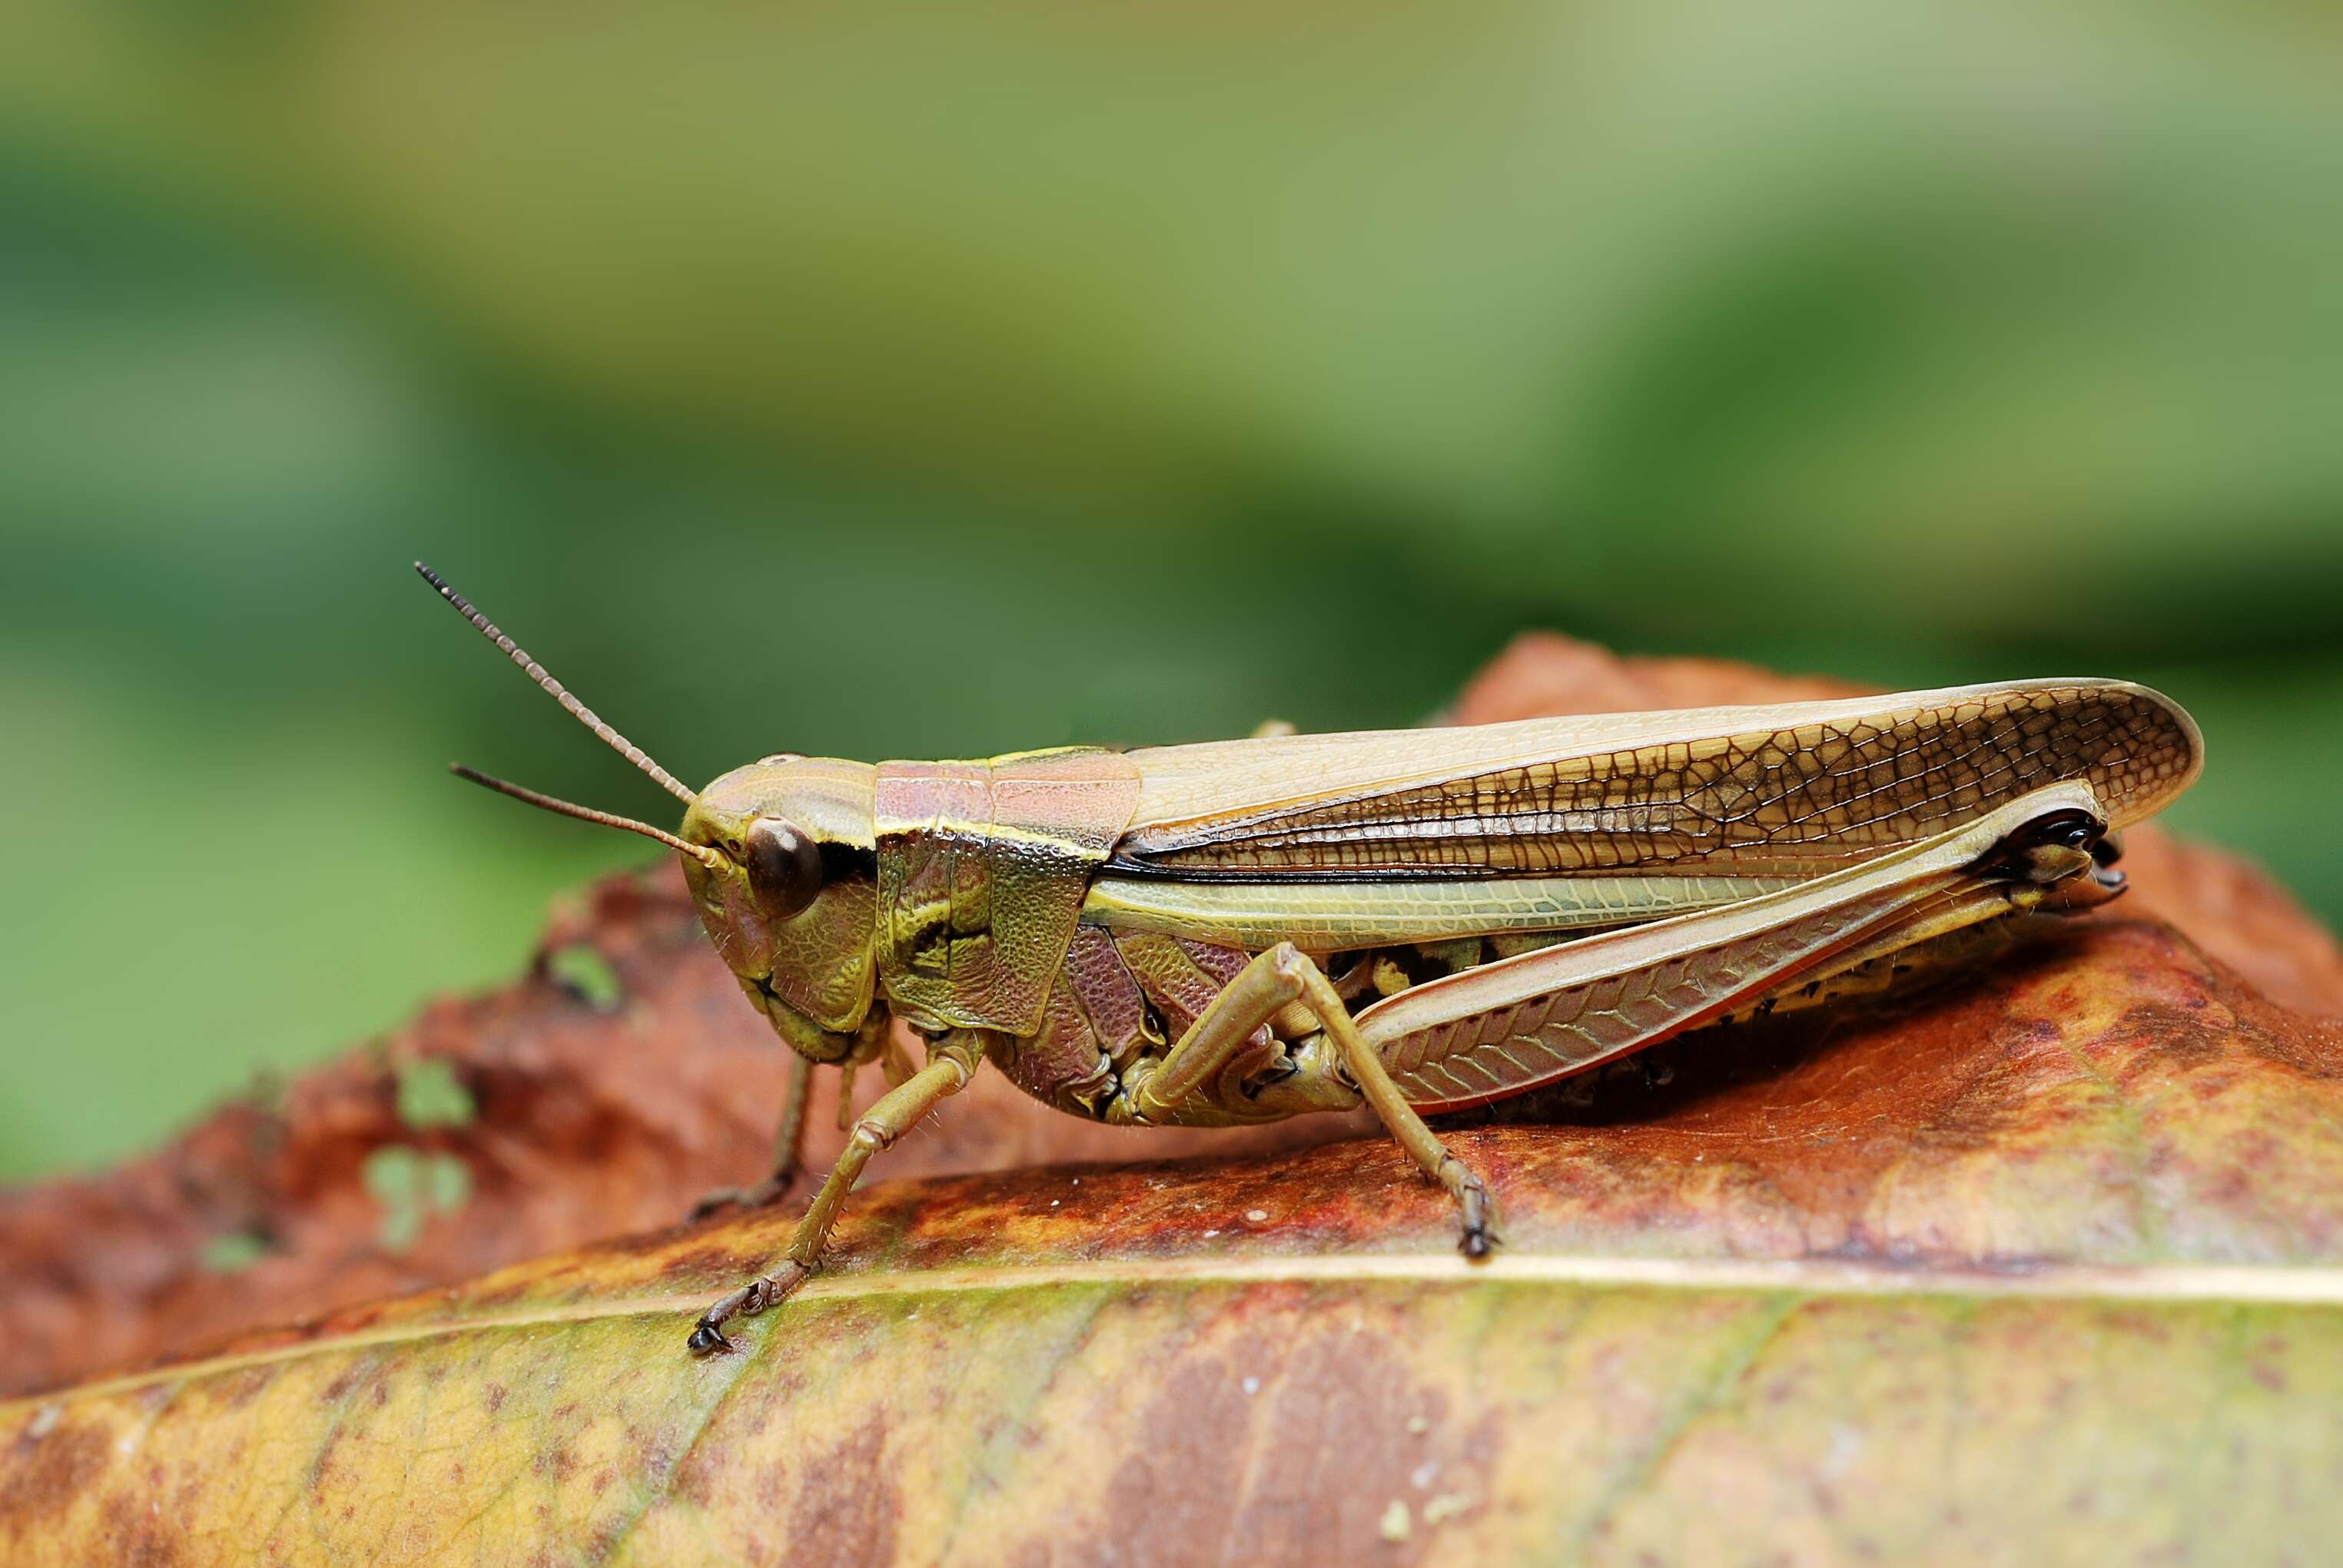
{"points": [[1274, 980], [788, 1141]]}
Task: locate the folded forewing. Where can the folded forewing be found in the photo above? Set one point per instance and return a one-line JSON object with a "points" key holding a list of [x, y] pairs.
{"points": [[1789, 790], [1510, 1026]]}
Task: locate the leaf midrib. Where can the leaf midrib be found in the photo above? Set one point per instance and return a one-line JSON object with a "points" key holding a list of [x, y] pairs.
{"points": [[2275, 1285]]}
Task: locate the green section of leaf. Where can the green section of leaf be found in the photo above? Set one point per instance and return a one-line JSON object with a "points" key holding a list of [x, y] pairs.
{"points": [[430, 1095], [413, 1187], [580, 970], [447, 1182], [233, 1252]]}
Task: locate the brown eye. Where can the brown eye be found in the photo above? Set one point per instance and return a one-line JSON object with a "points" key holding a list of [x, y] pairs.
{"points": [[784, 866]]}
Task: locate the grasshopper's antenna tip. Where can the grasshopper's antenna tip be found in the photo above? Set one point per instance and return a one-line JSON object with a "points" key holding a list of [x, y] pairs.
{"points": [[555, 689]]}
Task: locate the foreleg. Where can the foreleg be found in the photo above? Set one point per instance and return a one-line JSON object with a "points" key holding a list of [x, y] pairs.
{"points": [[951, 1063]]}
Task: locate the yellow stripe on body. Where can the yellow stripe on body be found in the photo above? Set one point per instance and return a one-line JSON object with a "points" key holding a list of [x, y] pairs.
{"points": [[1332, 917]]}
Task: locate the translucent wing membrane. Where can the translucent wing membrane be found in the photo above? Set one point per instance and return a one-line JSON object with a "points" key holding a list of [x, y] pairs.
{"points": [[1791, 791]]}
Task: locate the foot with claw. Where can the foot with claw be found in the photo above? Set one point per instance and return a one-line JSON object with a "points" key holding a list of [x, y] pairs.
{"points": [[1472, 1195], [708, 1336]]}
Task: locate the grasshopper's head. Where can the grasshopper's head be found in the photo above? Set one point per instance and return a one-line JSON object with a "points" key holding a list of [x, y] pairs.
{"points": [[790, 893], [782, 863]]}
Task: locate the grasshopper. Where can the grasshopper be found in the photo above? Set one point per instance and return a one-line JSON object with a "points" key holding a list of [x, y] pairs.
{"points": [[1419, 921]]}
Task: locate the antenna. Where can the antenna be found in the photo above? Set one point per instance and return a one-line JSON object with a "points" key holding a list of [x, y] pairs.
{"points": [[700, 852], [559, 693]]}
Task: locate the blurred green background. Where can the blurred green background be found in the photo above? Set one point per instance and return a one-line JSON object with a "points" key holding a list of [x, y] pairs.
{"points": [[906, 380]]}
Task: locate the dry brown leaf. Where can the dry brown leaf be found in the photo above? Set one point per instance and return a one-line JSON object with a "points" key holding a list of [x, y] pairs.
{"points": [[2040, 1261], [2043, 1265]]}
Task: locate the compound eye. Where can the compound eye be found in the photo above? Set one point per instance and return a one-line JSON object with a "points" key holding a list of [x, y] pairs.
{"points": [[784, 866]]}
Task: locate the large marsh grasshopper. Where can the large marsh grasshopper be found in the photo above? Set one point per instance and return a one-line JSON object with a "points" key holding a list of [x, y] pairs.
{"points": [[1420, 920]]}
